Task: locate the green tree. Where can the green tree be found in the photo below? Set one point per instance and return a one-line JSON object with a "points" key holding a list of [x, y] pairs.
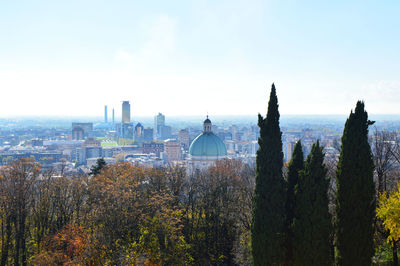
{"points": [[312, 226], [269, 197], [355, 198], [95, 170], [295, 165]]}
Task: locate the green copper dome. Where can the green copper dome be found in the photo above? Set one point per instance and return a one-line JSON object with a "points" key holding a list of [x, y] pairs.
{"points": [[207, 144]]}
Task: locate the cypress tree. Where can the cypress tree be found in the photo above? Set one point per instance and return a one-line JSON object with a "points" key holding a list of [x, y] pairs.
{"points": [[312, 226], [100, 164], [295, 165], [269, 197], [355, 197]]}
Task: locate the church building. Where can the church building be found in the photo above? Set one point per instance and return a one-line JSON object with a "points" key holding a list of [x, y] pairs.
{"points": [[205, 149]]}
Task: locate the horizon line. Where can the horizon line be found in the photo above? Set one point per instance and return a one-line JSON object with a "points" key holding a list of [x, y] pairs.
{"points": [[175, 116]]}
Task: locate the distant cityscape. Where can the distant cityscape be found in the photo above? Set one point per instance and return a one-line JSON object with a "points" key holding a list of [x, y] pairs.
{"points": [[194, 143]]}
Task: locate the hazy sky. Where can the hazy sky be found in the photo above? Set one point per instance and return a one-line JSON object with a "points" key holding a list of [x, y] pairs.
{"points": [[192, 57]]}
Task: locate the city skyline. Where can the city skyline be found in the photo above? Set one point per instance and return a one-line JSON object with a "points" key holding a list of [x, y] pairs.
{"points": [[199, 132], [198, 57]]}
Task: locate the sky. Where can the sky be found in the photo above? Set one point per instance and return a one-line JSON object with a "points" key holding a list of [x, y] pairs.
{"points": [[193, 57]]}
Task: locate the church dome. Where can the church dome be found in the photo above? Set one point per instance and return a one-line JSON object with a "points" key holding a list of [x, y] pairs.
{"points": [[207, 145]]}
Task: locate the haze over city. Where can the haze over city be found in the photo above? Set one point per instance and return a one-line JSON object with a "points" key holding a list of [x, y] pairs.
{"points": [[193, 57], [200, 132]]}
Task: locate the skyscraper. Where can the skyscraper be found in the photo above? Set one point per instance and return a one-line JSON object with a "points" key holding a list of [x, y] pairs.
{"points": [[105, 114], [113, 121], [126, 112], [159, 122]]}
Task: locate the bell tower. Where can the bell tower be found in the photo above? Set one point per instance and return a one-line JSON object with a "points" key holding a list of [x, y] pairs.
{"points": [[207, 125]]}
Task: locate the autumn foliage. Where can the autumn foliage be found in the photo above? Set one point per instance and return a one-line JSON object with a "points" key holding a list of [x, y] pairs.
{"points": [[125, 215], [389, 211], [70, 246]]}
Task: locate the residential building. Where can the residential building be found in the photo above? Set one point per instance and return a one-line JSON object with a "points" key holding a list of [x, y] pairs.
{"points": [[172, 149], [153, 147], [184, 139]]}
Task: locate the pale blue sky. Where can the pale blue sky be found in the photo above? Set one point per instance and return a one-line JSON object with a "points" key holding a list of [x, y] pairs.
{"points": [[194, 57]]}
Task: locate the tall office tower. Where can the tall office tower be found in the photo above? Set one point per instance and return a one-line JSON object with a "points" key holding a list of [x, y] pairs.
{"points": [[126, 112], [113, 117], [105, 114], [159, 122]]}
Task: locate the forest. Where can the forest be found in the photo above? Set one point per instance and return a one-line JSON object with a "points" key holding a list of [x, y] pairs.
{"points": [[126, 215]]}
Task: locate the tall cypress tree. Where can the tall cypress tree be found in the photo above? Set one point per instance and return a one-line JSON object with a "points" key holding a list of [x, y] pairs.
{"points": [[355, 198], [269, 198], [312, 226], [295, 165]]}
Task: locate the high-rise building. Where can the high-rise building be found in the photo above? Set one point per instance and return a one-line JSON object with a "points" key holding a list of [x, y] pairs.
{"points": [[289, 150], [113, 120], [139, 133], [165, 132], [183, 138], [127, 130], [159, 121], [148, 135], [105, 114], [81, 130], [77, 133], [172, 148], [126, 112], [234, 130]]}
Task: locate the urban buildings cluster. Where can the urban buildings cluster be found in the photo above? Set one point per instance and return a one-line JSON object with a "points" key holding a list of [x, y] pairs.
{"points": [[196, 147]]}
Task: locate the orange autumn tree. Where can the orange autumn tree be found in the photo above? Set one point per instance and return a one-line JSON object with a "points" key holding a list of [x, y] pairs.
{"points": [[71, 246], [133, 213]]}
